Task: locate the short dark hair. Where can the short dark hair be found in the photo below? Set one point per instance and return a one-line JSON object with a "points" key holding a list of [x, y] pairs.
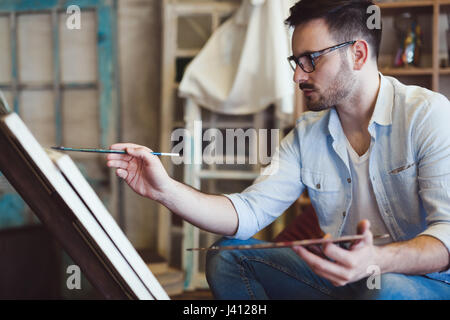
{"points": [[345, 19]]}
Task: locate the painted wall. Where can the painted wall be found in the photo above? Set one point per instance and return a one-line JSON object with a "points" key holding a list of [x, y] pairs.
{"points": [[139, 33]]}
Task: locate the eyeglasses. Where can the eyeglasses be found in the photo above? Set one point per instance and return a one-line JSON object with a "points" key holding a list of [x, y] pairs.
{"points": [[307, 60]]}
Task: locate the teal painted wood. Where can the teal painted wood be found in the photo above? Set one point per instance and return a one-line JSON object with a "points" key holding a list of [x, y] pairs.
{"points": [[106, 51], [14, 68], [57, 78], [106, 71], [189, 232], [40, 5], [107, 63], [12, 209]]}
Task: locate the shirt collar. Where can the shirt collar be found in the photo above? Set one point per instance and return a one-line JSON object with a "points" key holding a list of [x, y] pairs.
{"points": [[382, 114]]}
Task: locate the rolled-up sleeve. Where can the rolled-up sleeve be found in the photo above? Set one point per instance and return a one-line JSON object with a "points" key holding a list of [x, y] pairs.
{"points": [[278, 186], [433, 137]]}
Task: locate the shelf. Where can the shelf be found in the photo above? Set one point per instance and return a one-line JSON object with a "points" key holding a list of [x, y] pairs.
{"points": [[407, 71], [192, 8], [238, 124], [413, 71], [411, 4], [40, 86], [219, 125], [179, 124], [405, 4], [228, 174], [187, 53]]}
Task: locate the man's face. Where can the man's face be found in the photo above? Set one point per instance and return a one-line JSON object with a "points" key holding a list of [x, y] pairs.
{"points": [[333, 79]]}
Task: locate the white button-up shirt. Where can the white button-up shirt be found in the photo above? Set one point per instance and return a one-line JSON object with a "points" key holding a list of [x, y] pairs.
{"points": [[409, 168]]}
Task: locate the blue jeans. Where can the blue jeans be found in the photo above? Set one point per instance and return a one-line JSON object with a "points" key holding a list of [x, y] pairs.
{"points": [[282, 274]]}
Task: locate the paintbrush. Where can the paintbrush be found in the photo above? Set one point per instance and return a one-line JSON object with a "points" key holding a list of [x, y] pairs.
{"points": [[112, 151], [285, 244]]}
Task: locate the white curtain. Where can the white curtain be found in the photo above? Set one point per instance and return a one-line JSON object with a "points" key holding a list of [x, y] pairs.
{"points": [[243, 67]]}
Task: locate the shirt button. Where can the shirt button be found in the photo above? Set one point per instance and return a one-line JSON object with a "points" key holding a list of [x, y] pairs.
{"points": [[349, 180], [344, 214], [318, 186]]}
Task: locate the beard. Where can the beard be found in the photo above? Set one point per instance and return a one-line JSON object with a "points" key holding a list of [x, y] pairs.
{"points": [[340, 88]]}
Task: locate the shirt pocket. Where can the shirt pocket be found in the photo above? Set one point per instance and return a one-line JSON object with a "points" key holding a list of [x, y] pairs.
{"points": [[324, 191], [318, 181], [409, 169], [404, 185]]}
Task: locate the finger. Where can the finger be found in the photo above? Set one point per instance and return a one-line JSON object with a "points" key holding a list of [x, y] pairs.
{"points": [[128, 146], [123, 146], [326, 236], [118, 164], [142, 153], [357, 245], [363, 225], [322, 267], [363, 228], [338, 254], [115, 156], [316, 249], [319, 270], [121, 173]]}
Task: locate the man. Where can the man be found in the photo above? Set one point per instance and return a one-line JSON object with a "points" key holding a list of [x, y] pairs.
{"points": [[371, 150]]}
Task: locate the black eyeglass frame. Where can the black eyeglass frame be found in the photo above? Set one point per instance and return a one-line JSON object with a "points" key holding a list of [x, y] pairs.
{"points": [[314, 55]]}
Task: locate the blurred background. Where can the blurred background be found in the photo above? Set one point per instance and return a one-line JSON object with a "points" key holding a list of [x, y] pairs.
{"points": [[130, 72]]}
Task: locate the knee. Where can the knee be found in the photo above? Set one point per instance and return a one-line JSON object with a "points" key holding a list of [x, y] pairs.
{"points": [[217, 260], [221, 264], [219, 268]]}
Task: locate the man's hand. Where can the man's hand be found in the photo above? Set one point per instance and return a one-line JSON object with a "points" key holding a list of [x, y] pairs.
{"points": [[146, 175], [141, 170], [348, 265]]}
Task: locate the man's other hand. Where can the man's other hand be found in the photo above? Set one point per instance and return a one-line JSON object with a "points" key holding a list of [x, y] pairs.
{"points": [[343, 266]]}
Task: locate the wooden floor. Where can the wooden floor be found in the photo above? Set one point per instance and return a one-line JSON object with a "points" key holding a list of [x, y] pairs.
{"points": [[194, 295]]}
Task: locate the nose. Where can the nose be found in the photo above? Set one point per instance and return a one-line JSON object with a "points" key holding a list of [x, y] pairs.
{"points": [[300, 75]]}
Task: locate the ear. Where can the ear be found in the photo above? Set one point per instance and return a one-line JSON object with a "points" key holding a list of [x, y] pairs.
{"points": [[360, 54]]}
